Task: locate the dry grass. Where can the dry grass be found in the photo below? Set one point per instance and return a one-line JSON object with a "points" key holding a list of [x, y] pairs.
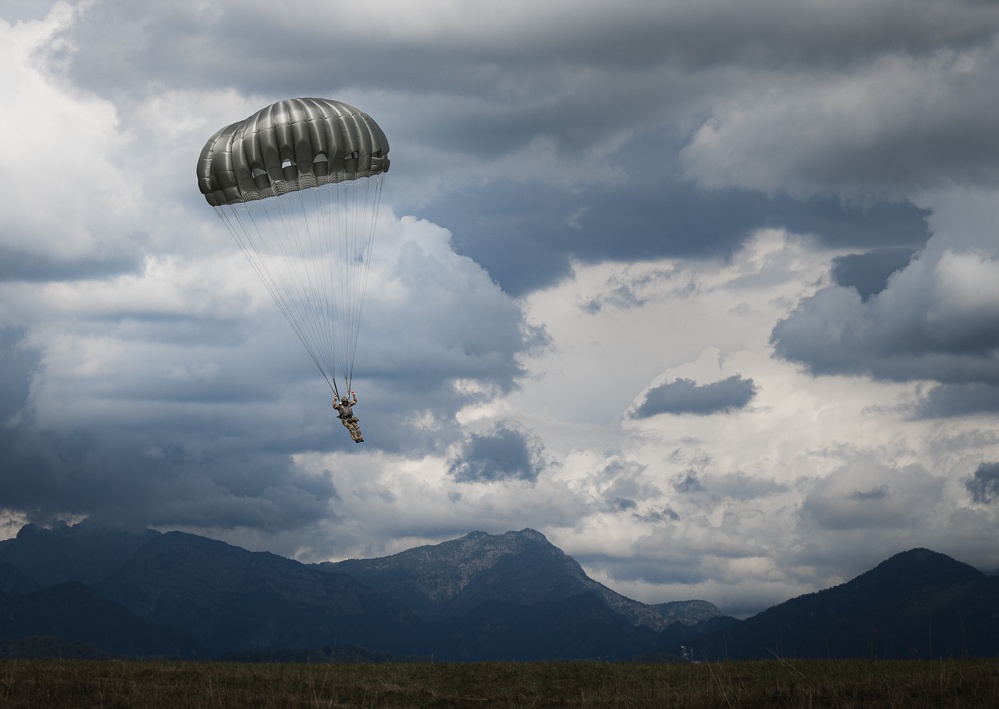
{"points": [[776, 683]]}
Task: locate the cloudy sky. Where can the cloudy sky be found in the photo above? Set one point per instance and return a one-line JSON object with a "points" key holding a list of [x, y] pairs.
{"points": [[705, 291]]}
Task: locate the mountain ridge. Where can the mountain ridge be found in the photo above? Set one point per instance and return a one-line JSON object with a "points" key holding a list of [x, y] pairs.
{"points": [[511, 596], [451, 578], [232, 599], [85, 552]]}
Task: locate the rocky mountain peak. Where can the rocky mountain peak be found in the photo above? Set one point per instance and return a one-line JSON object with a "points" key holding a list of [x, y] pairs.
{"points": [[451, 578]]}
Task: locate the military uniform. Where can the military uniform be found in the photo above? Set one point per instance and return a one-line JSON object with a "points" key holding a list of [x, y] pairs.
{"points": [[346, 413]]}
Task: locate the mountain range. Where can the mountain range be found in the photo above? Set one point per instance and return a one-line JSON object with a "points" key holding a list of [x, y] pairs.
{"points": [[85, 590]]}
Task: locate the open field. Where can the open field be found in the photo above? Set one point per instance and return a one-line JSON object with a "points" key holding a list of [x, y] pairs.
{"points": [[775, 683]]}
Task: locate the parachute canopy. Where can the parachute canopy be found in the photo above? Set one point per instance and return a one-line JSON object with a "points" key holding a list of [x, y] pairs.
{"points": [[290, 145], [298, 184]]}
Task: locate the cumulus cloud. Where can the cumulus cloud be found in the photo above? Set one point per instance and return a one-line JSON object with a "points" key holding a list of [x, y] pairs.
{"points": [[951, 400], [869, 272], [984, 484], [866, 494], [740, 486], [684, 396], [625, 486], [156, 480], [937, 319], [17, 362], [505, 453], [74, 211], [137, 379]]}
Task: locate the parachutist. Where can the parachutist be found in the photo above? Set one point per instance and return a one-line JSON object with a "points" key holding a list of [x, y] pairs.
{"points": [[298, 185], [346, 415]]}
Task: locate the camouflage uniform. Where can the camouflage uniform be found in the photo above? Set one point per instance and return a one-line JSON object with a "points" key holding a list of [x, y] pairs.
{"points": [[347, 417]]}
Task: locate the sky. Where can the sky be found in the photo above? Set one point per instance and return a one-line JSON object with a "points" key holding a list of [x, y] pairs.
{"points": [[707, 292]]}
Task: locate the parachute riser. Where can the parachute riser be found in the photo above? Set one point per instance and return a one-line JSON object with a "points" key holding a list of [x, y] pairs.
{"points": [[298, 185], [313, 249]]}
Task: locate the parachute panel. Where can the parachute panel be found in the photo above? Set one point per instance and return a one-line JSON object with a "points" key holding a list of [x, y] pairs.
{"points": [[270, 152]]}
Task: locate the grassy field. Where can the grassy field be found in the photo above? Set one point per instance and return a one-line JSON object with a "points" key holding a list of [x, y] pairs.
{"points": [[775, 683]]}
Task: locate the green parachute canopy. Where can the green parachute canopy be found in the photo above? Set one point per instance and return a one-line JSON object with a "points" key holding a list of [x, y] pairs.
{"points": [[298, 184]]}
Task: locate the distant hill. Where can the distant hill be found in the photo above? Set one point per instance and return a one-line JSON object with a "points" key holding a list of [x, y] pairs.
{"points": [[232, 600], [452, 578], [917, 604], [84, 552], [686, 612]]}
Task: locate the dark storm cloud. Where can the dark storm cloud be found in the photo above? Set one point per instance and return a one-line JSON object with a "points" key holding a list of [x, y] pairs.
{"points": [[984, 484], [684, 396], [868, 272], [17, 362], [479, 98], [949, 400], [527, 236], [503, 454], [149, 478], [202, 434], [453, 85], [232, 42], [194, 466], [937, 320], [192, 407]]}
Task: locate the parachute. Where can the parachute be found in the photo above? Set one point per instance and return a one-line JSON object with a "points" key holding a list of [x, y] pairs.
{"points": [[298, 185]]}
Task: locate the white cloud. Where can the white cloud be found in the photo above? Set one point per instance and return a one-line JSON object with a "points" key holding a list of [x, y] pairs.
{"points": [[867, 494], [68, 199]]}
